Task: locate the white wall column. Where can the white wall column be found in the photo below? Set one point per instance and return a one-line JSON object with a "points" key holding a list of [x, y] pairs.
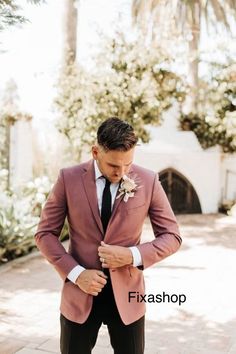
{"points": [[21, 152]]}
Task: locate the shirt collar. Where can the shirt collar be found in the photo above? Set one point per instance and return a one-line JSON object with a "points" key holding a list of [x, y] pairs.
{"points": [[98, 173]]}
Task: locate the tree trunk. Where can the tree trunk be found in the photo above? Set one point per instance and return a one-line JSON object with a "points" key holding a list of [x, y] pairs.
{"points": [[193, 60], [70, 28]]}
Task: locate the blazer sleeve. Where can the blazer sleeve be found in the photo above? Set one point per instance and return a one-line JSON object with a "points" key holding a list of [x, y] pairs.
{"points": [[167, 238], [49, 229]]}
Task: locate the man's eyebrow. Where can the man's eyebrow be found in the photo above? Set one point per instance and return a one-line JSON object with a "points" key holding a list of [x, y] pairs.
{"points": [[111, 164]]}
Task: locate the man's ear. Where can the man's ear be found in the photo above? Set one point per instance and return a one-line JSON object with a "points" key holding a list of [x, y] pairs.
{"points": [[95, 151]]}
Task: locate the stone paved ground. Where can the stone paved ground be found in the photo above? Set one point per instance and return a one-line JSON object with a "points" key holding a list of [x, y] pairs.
{"points": [[204, 270]]}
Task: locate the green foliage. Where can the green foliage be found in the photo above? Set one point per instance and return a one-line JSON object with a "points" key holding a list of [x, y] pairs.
{"points": [[215, 122], [209, 132], [20, 210], [19, 216], [131, 81], [228, 207], [9, 13], [4, 144]]}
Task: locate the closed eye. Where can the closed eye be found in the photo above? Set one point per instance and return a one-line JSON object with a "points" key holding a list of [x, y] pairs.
{"points": [[116, 166]]}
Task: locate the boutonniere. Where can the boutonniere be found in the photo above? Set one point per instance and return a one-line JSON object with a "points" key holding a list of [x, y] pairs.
{"points": [[127, 188]]}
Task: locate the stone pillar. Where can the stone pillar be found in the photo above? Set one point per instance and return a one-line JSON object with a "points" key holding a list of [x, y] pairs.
{"points": [[21, 152]]}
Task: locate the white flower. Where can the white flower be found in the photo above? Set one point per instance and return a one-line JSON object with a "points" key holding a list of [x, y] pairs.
{"points": [[40, 198], [127, 188]]}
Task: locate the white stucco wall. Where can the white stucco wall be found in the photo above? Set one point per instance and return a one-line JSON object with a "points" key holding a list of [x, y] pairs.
{"points": [[172, 148], [228, 176], [202, 169], [180, 150]]}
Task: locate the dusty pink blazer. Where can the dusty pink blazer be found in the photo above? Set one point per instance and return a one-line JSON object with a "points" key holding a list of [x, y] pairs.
{"points": [[74, 196]]}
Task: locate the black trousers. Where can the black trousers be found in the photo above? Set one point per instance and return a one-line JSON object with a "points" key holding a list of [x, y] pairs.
{"points": [[81, 338]]}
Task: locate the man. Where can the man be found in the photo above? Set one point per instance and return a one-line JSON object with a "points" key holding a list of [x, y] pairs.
{"points": [[106, 201]]}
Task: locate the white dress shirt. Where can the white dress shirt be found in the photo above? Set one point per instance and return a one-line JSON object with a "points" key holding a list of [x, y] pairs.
{"points": [[100, 185]]}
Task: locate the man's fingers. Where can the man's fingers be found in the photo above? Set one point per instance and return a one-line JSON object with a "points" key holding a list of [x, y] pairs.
{"points": [[103, 251], [101, 281], [106, 259], [96, 290], [92, 281], [101, 278], [101, 274], [94, 293], [105, 265]]}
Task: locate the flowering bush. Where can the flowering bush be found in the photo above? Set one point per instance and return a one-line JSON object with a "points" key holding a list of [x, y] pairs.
{"points": [[3, 145], [131, 81], [215, 121], [19, 216]]}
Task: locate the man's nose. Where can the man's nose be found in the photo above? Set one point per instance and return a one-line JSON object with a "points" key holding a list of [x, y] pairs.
{"points": [[121, 171]]}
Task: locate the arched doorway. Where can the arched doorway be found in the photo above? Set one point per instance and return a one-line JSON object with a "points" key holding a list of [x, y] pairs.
{"points": [[180, 192]]}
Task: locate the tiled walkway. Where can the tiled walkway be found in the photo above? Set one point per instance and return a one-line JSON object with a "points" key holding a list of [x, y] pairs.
{"points": [[204, 270]]}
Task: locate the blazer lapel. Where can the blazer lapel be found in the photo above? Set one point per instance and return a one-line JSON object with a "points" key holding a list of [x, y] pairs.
{"points": [[90, 188], [118, 201]]}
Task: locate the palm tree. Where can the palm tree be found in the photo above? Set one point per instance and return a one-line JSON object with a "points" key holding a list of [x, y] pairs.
{"points": [[185, 15], [9, 14], [70, 28]]}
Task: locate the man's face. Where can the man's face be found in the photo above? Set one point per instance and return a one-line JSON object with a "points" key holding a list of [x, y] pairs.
{"points": [[113, 164]]}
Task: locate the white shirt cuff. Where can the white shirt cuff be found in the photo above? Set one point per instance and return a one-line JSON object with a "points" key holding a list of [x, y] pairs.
{"points": [[137, 258], [75, 272]]}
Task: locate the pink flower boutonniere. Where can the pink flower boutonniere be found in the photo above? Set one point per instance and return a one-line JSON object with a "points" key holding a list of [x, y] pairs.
{"points": [[127, 188]]}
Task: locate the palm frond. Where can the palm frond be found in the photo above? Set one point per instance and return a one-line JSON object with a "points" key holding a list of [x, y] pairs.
{"points": [[9, 13], [219, 12], [136, 9], [8, 18], [36, 2], [185, 11]]}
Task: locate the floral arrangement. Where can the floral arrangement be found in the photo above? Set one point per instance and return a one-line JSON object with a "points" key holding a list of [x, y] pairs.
{"points": [[127, 188]]}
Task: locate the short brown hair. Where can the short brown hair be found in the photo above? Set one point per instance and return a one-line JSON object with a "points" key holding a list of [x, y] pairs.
{"points": [[116, 134]]}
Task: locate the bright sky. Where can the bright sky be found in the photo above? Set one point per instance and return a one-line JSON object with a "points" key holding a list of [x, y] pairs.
{"points": [[33, 52]]}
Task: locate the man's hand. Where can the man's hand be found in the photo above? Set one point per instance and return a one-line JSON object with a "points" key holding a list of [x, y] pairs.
{"points": [[91, 281], [114, 256]]}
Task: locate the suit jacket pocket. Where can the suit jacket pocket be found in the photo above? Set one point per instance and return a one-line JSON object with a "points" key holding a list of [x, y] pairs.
{"points": [[136, 209]]}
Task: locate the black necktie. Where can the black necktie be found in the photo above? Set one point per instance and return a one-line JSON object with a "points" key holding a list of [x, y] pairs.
{"points": [[106, 205]]}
